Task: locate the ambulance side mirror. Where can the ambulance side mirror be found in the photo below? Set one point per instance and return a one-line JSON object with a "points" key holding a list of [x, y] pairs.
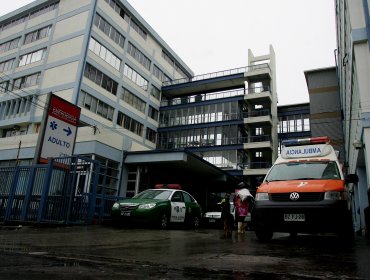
{"points": [[351, 178]]}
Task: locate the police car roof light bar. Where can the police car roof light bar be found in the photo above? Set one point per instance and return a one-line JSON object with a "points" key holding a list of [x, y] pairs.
{"points": [[306, 141]]}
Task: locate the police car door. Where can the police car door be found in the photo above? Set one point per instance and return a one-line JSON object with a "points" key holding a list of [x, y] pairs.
{"points": [[178, 208]]}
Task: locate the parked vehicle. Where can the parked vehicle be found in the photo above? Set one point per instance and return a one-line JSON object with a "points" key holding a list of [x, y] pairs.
{"points": [[213, 218], [159, 207], [304, 192]]}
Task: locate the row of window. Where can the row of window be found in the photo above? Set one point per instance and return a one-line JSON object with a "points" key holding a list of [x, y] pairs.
{"points": [[100, 79], [100, 108], [33, 14], [23, 60], [133, 100], [109, 30], [28, 38], [10, 45], [95, 105], [104, 53], [130, 124], [157, 72], [201, 114], [37, 35], [119, 10], [21, 82], [135, 77], [14, 107], [32, 57], [139, 56], [7, 65], [294, 123], [172, 62]]}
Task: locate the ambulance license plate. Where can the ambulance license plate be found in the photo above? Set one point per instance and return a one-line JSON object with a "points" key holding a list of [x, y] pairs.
{"points": [[294, 217]]}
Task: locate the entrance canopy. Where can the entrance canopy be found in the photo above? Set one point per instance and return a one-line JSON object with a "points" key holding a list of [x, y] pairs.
{"points": [[193, 173]]}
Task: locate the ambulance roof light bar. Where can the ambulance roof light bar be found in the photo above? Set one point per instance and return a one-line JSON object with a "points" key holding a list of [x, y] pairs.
{"points": [[306, 141]]}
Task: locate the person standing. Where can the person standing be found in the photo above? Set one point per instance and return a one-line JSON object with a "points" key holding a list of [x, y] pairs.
{"points": [[241, 210], [226, 216]]}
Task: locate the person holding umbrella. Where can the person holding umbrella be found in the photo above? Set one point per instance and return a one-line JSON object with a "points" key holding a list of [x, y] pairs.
{"points": [[241, 207]]}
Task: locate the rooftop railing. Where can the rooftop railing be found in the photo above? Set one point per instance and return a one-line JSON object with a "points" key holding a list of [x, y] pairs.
{"points": [[217, 74]]}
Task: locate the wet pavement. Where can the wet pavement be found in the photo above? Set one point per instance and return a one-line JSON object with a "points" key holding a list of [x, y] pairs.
{"points": [[104, 252]]}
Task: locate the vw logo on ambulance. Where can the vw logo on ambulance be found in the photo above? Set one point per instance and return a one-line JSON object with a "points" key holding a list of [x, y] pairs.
{"points": [[294, 196]]}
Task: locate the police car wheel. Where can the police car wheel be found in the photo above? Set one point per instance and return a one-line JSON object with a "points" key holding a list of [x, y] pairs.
{"points": [[163, 221], [196, 222]]}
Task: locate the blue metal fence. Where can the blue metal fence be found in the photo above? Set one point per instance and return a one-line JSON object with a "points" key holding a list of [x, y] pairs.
{"points": [[64, 191]]}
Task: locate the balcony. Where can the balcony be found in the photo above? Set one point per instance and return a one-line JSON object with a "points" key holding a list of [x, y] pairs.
{"points": [[202, 97], [257, 168], [259, 142], [258, 116], [221, 80], [258, 93]]}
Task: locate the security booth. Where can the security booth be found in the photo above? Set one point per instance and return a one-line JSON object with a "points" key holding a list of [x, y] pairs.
{"points": [[144, 170]]}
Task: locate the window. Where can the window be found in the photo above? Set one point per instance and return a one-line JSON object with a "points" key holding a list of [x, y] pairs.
{"points": [[95, 105], [153, 113], [133, 100], [155, 92], [138, 29], [119, 10], [157, 72], [37, 35], [19, 106], [104, 53], [27, 81], [130, 124], [9, 45], [31, 15], [151, 135], [138, 56], [100, 79], [135, 77], [4, 86], [168, 58], [6, 65], [32, 57], [109, 30]]}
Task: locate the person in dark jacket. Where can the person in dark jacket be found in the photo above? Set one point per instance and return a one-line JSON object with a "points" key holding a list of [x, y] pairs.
{"points": [[226, 216]]}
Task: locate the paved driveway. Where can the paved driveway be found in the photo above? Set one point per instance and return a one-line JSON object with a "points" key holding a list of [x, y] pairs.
{"points": [[102, 252]]}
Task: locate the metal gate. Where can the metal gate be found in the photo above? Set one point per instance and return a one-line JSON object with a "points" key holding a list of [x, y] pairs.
{"points": [[64, 191]]}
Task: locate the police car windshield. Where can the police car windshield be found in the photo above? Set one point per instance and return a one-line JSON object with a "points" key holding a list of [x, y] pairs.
{"points": [[316, 170], [154, 194]]}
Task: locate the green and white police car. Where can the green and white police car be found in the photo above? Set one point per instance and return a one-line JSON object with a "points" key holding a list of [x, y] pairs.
{"points": [[158, 207]]}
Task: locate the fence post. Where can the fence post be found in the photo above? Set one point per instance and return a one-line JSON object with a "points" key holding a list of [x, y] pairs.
{"points": [[72, 186], [45, 191], [12, 194], [92, 201], [102, 205], [27, 198]]}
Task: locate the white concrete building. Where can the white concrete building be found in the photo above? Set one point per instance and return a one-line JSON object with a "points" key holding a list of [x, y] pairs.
{"points": [[353, 62], [98, 54]]}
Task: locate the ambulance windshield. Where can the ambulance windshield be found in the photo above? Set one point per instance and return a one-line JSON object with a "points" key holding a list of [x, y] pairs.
{"points": [[312, 170]]}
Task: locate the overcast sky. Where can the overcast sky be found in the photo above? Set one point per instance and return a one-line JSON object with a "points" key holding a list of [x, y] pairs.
{"points": [[215, 35]]}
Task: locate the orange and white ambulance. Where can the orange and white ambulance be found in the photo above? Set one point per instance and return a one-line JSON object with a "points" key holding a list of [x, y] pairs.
{"points": [[304, 192]]}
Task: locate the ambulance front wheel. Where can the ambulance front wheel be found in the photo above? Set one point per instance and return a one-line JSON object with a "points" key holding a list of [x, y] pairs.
{"points": [[264, 234]]}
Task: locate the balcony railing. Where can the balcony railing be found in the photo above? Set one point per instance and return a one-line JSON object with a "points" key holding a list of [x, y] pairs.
{"points": [[259, 165], [259, 138], [202, 97], [217, 74], [257, 89], [257, 113], [168, 144]]}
